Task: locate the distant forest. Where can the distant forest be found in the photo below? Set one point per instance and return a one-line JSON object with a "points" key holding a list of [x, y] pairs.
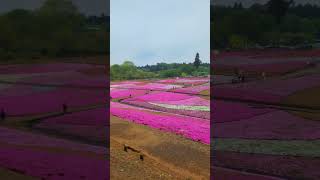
{"points": [[278, 22], [128, 70], [56, 29]]}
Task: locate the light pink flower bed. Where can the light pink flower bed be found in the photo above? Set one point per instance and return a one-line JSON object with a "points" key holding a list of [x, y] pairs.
{"points": [[195, 81], [163, 96], [193, 113], [193, 128], [172, 98], [273, 125], [157, 86], [231, 111], [126, 82], [124, 85]]}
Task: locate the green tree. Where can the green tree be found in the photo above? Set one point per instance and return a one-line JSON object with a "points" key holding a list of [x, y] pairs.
{"points": [[197, 60]]}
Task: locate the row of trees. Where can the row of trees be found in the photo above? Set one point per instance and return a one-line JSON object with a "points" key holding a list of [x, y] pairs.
{"points": [[128, 71], [57, 28], [278, 22]]}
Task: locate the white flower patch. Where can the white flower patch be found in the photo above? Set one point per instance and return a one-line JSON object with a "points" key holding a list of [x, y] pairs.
{"points": [[182, 107], [171, 86]]}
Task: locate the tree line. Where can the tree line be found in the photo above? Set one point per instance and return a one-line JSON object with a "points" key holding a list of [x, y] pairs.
{"points": [[278, 22], [129, 71], [56, 29]]}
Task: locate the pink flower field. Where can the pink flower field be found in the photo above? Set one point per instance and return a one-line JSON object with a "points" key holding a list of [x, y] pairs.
{"points": [[193, 128], [170, 97], [259, 133], [157, 105], [57, 147], [272, 125], [53, 165], [181, 111], [173, 102], [50, 158]]}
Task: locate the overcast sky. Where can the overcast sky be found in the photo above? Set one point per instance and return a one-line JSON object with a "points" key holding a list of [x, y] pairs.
{"points": [[151, 31], [90, 7]]}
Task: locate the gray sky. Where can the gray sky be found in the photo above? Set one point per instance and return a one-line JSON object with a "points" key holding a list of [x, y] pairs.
{"points": [[151, 31], [91, 7]]}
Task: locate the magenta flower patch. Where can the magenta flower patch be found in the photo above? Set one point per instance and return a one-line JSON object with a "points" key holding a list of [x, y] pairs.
{"points": [[125, 93], [194, 128]]}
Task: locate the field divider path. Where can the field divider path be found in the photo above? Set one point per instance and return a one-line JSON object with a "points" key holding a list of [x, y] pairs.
{"points": [[35, 120], [93, 106], [292, 107]]}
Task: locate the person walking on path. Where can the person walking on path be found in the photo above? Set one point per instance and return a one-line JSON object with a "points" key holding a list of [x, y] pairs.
{"points": [[64, 108], [264, 75], [3, 115]]}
